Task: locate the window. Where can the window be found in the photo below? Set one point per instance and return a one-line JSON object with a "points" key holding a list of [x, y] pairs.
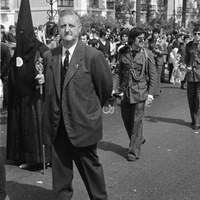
{"points": [[152, 7], [110, 5], [93, 4], [65, 3], [4, 4], [143, 7]]}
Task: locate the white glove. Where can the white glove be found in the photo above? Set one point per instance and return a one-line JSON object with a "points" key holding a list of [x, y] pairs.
{"points": [[40, 79], [149, 100]]}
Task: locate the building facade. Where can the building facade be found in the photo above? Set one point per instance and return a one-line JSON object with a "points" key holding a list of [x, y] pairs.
{"points": [[42, 9]]}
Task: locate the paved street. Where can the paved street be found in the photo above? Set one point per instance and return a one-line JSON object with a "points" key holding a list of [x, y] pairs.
{"points": [[169, 167]]}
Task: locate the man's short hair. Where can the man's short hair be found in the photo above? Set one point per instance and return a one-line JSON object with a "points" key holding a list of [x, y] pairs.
{"points": [[196, 29], [83, 34], [156, 30], [186, 37], [133, 33], [65, 12], [175, 32], [102, 32], [93, 42], [2, 26], [124, 32], [11, 26]]}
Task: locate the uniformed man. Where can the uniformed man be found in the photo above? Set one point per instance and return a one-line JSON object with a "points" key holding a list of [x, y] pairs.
{"points": [[192, 61], [137, 78]]}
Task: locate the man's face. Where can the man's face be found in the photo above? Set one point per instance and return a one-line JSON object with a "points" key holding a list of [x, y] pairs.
{"points": [[139, 41], [2, 30], [84, 39], [196, 36], [69, 28], [97, 46], [155, 35], [2, 33], [124, 38], [187, 40], [36, 32], [13, 30], [108, 31]]}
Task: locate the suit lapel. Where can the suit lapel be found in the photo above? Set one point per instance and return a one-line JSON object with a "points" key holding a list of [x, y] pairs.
{"points": [[74, 63], [56, 67]]}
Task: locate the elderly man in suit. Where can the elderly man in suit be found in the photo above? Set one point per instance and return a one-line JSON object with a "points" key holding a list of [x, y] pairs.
{"points": [[78, 82]]}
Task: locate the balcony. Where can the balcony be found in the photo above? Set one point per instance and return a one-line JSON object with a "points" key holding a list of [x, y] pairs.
{"points": [[66, 3]]}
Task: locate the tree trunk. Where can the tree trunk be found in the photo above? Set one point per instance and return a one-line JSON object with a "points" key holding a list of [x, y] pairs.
{"points": [[138, 3], [184, 8]]}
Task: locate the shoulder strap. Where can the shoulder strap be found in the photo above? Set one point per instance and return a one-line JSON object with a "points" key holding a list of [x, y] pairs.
{"points": [[146, 60]]}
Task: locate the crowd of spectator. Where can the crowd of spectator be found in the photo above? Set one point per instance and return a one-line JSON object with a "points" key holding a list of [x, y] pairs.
{"points": [[168, 58], [168, 49]]}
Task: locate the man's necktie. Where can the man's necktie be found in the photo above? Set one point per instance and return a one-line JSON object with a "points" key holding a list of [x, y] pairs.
{"points": [[66, 61], [65, 66]]}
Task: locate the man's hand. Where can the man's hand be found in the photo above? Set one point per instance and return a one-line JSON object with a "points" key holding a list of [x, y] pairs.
{"points": [[40, 79], [149, 100]]}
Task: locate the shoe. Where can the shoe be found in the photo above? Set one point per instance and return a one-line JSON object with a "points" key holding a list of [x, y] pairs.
{"points": [[25, 165], [131, 158], [195, 127], [34, 166]]}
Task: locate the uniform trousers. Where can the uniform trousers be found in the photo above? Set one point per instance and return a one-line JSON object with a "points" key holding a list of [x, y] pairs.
{"points": [[88, 165], [133, 118], [193, 94]]}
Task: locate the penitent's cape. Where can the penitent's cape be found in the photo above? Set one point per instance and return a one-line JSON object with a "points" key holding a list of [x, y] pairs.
{"points": [[24, 137]]}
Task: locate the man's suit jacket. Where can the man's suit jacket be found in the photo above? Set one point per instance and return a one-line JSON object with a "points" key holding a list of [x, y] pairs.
{"points": [[86, 88]]}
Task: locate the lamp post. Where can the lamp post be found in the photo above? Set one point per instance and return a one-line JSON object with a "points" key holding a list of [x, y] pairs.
{"points": [[51, 12]]}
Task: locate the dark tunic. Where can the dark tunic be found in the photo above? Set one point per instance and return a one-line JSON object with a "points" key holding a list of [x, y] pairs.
{"points": [[24, 137]]}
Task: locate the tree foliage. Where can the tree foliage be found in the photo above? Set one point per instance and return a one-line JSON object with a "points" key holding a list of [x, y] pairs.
{"points": [[98, 22], [122, 7]]}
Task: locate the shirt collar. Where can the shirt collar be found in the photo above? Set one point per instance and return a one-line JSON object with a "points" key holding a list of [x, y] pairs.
{"points": [[71, 51]]}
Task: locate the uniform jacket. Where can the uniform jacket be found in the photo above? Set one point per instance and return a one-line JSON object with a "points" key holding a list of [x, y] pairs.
{"points": [[137, 76], [86, 88], [192, 61]]}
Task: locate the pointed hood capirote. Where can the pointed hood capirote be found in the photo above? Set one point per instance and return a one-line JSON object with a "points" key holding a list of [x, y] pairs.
{"points": [[23, 64], [25, 35]]}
